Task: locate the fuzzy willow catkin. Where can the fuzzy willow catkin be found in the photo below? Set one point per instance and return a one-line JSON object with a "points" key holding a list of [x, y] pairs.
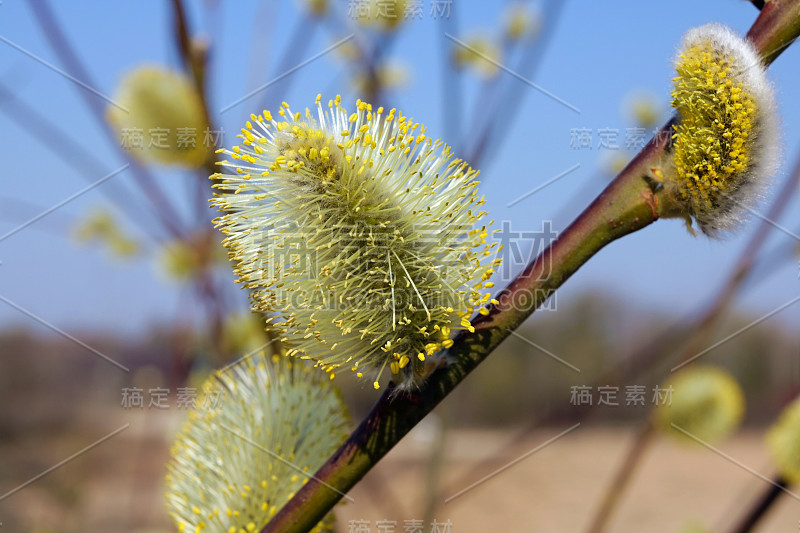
{"points": [[163, 118], [235, 465], [725, 146], [357, 234], [706, 402], [783, 440]]}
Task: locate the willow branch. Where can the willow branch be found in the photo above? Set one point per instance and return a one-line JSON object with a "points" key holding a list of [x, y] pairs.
{"points": [[451, 81], [699, 335], [627, 205], [493, 131], [705, 325], [763, 504], [687, 331]]}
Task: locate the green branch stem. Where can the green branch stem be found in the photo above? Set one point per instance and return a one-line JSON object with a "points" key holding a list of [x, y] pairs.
{"points": [[688, 332], [777, 27], [627, 205], [704, 325], [698, 339]]}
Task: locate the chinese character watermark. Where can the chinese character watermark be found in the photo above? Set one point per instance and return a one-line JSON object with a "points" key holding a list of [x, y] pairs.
{"points": [[166, 139], [391, 10], [408, 526], [635, 395], [611, 139], [159, 398]]}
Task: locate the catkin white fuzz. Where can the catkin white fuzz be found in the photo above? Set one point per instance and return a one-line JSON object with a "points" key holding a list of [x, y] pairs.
{"points": [[726, 145]]}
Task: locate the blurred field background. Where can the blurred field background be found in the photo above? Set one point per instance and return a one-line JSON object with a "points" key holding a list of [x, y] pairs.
{"points": [[132, 270], [56, 401]]}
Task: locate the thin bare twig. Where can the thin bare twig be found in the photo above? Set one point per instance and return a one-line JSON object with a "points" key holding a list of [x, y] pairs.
{"points": [[452, 90], [497, 124], [616, 489], [71, 153], [64, 50]]}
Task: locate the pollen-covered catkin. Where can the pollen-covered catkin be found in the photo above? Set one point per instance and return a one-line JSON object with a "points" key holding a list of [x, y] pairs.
{"points": [[357, 234], [725, 146]]}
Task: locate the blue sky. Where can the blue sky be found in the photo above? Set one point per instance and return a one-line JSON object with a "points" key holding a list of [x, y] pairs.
{"points": [[600, 53]]}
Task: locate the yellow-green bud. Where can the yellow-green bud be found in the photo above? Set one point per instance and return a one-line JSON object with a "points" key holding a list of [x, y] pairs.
{"points": [[101, 227], [386, 15], [783, 440], [707, 403], [163, 118], [318, 8], [184, 259], [388, 76], [643, 109], [520, 22], [243, 332], [481, 54]]}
